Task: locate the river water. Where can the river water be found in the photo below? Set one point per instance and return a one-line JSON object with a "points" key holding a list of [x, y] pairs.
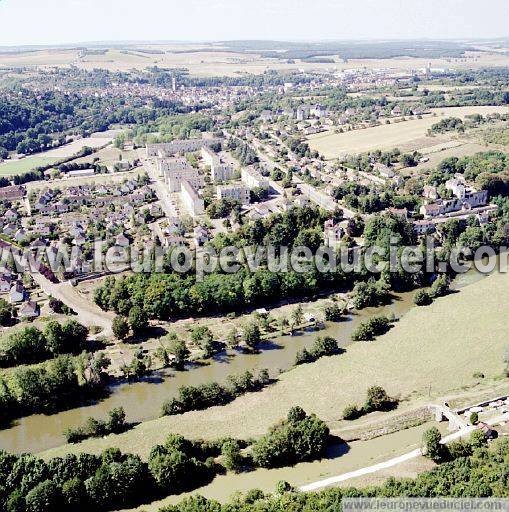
{"points": [[142, 401]]}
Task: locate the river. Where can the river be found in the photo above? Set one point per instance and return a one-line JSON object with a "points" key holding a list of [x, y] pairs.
{"points": [[142, 400]]}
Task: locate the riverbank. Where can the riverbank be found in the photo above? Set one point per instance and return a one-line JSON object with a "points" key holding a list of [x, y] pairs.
{"points": [[432, 351]]}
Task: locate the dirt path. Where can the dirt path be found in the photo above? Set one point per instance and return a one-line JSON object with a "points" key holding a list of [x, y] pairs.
{"points": [[88, 313]]}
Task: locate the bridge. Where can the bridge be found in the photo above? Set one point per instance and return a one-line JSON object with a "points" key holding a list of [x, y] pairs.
{"points": [[443, 412]]}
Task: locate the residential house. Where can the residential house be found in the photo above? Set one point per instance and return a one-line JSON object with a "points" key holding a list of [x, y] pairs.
{"points": [[17, 293], [29, 310]]}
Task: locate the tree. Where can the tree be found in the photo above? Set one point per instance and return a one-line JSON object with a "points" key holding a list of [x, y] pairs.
{"points": [[232, 458], [351, 412], [298, 438], [232, 338], [6, 313], [478, 439], [138, 319], [431, 446], [297, 316], [440, 286], [371, 328], [43, 497], [377, 399], [251, 335], [27, 346], [116, 422], [181, 353], [203, 336], [333, 312], [474, 418], [54, 337], [120, 327]]}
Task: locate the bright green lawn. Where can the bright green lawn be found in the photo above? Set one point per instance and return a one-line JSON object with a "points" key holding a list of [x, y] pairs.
{"points": [[24, 165]]}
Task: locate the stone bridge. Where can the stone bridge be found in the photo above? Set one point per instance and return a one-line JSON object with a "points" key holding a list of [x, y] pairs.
{"points": [[443, 412]]}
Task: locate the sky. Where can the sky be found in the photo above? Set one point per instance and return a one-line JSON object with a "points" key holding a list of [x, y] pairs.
{"points": [[24, 22]]}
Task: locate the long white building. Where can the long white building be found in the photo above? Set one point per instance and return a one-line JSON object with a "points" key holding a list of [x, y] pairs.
{"points": [[191, 200], [235, 192], [165, 149]]}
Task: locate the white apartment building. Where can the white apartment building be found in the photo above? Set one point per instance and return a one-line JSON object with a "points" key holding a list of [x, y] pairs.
{"points": [[165, 165], [175, 175], [253, 179], [192, 202], [235, 192], [219, 170], [179, 146]]}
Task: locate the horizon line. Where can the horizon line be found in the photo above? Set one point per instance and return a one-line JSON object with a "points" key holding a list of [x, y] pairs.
{"points": [[115, 42]]}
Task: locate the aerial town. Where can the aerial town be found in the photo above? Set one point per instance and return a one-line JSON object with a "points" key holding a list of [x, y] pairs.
{"points": [[253, 275]]}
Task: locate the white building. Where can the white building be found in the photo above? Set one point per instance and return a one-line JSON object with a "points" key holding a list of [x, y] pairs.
{"points": [[234, 192], [179, 146], [177, 172], [219, 170], [332, 233], [253, 179], [191, 200]]}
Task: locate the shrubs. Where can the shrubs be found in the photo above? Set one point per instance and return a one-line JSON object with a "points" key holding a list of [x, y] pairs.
{"points": [[176, 465], [372, 293], [474, 476], [439, 288], [422, 298], [98, 428], [114, 480], [322, 347], [120, 327], [44, 388], [377, 399], [333, 312], [195, 398], [352, 412], [438, 452], [298, 438], [370, 329]]}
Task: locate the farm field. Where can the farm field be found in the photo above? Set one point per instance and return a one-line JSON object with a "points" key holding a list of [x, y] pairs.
{"points": [[416, 365], [24, 165], [108, 156], [72, 148], [407, 135], [215, 60]]}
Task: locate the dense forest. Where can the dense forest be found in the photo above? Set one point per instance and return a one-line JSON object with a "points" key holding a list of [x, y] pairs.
{"points": [[28, 121]]}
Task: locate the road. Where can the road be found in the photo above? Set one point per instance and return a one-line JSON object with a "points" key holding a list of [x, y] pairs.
{"points": [[394, 461], [89, 314]]}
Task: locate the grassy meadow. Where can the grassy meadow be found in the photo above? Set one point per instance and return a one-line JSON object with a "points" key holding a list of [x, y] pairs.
{"points": [[411, 134], [24, 165]]}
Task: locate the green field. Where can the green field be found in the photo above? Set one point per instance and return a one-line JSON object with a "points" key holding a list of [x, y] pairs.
{"points": [[24, 165], [431, 352]]}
